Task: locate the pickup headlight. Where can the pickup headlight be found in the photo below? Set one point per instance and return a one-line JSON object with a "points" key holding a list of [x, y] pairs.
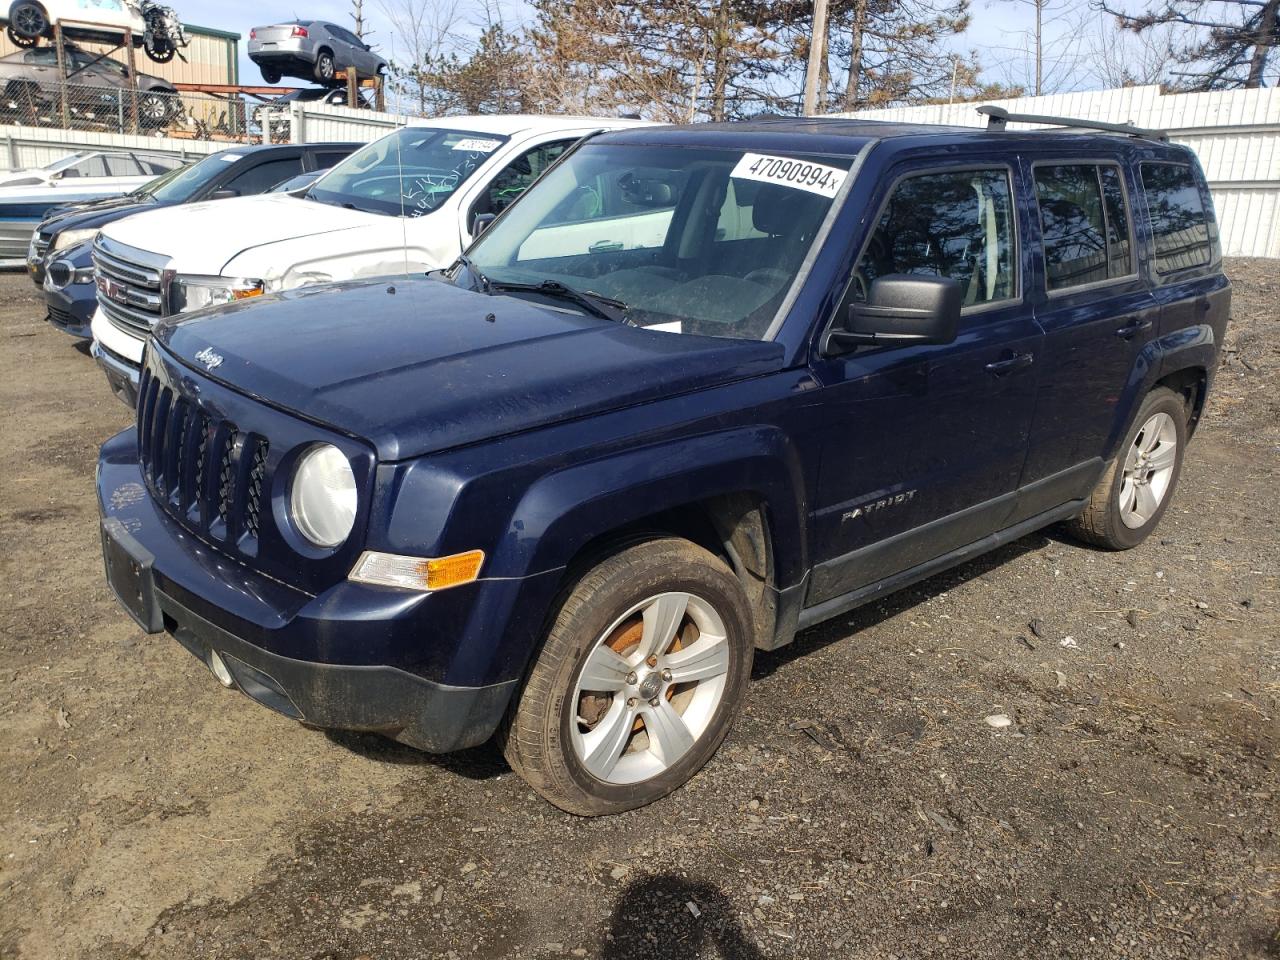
{"points": [[69, 238], [322, 499], [191, 293]]}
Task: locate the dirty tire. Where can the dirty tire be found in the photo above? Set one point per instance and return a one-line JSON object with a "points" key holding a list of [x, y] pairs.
{"points": [[1100, 523], [537, 739]]}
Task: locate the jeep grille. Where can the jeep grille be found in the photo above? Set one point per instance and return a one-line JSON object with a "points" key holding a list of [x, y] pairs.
{"points": [[203, 470]]}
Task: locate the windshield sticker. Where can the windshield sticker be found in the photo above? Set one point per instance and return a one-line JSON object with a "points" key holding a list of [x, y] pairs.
{"points": [[476, 145], [787, 172]]}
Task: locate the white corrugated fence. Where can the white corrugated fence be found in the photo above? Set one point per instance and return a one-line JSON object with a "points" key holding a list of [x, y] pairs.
{"points": [[1235, 133]]}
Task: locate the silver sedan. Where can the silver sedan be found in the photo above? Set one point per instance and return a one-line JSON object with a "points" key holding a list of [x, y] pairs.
{"points": [[311, 50]]}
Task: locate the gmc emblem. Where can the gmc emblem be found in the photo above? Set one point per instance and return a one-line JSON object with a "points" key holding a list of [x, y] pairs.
{"points": [[113, 290]]}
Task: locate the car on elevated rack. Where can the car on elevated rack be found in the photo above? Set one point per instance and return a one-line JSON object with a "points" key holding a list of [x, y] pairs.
{"points": [[562, 492], [59, 260], [404, 204], [311, 50]]}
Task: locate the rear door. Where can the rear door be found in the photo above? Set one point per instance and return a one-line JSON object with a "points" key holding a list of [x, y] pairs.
{"points": [[1098, 315], [922, 445], [1186, 275]]}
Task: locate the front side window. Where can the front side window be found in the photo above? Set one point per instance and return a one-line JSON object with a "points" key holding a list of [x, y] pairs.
{"points": [[687, 240], [259, 178], [1179, 221], [1083, 224], [956, 224], [516, 177], [408, 173]]}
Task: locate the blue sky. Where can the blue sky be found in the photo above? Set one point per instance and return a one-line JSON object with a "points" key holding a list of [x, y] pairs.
{"points": [[1000, 32]]}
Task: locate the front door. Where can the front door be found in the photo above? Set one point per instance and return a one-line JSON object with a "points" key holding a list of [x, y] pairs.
{"points": [[923, 444]]}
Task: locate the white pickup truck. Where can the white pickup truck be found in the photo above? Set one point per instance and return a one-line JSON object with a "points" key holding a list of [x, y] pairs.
{"points": [[407, 203]]}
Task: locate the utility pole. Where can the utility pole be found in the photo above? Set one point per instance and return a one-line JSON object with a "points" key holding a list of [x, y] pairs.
{"points": [[1039, 45], [817, 54]]}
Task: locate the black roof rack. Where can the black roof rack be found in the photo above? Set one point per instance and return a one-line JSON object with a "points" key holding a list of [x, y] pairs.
{"points": [[997, 117]]}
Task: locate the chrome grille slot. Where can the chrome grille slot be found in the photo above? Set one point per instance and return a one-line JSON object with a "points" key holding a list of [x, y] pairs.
{"points": [[130, 285], [231, 440]]}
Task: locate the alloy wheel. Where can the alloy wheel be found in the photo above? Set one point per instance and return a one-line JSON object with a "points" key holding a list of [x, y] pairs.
{"points": [[1148, 470], [649, 688]]}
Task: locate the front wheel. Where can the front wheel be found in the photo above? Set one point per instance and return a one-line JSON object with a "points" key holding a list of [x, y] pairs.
{"points": [[639, 680], [1131, 498]]}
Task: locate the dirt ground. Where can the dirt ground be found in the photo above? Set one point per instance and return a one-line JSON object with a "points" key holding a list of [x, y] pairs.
{"points": [[862, 807]]}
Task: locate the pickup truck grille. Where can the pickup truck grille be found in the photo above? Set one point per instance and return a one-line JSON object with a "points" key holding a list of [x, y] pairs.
{"points": [[130, 285], [202, 469]]}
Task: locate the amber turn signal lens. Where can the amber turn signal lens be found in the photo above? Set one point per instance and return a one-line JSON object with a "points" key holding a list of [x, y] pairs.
{"points": [[452, 571], [417, 573]]}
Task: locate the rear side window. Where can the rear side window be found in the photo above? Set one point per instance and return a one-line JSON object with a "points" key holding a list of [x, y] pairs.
{"points": [[956, 224], [1084, 224], [1179, 221]]}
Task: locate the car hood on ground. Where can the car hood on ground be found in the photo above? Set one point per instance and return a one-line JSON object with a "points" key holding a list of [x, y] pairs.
{"points": [[202, 238], [431, 366]]}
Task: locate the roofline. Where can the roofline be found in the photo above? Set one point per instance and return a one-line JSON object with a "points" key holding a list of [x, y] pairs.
{"points": [[211, 32]]}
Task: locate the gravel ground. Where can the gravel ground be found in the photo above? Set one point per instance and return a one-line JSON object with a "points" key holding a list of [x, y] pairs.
{"points": [[863, 806]]}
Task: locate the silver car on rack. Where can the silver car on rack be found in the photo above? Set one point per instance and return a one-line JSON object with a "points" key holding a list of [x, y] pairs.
{"points": [[311, 50]]}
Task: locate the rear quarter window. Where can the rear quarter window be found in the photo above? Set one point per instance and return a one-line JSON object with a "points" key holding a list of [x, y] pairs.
{"points": [[1179, 220]]}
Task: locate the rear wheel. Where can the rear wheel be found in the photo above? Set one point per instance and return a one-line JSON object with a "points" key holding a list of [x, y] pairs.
{"points": [[28, 21], [325, 68], [155, 109], [1131, 498], [638, 682]]}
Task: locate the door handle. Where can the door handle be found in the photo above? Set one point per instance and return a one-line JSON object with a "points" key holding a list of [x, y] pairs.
{"points": [[1134, 327], [1000, 368], [605, 246]]}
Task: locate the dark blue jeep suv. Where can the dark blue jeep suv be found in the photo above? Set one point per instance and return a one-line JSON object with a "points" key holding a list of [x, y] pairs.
{"points": [[700, 388]]}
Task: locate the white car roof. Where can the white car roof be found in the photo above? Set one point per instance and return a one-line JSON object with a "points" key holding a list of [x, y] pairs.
{"points": [[513, 123]]}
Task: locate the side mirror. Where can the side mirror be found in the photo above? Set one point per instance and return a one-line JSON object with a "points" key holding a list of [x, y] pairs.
{"points": [[901, 309], [481, 223], [225, 193]]}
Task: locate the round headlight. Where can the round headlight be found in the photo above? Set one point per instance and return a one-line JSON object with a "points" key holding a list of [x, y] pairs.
{"points": [[323, 498]]}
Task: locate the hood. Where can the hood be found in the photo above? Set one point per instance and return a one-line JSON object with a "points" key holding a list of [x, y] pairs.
{"points": [[433, 366], [93, 213], [204, 237]]}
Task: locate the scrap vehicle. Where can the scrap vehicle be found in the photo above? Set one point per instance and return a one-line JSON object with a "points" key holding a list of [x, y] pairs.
{"points": [[312, 50], [28, 196], [153, 26], [99, 90], [59, 260], [406, 203], [562, 491]]}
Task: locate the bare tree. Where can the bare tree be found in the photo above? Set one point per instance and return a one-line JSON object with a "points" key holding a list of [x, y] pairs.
{"points": [[1229, 44], [425, 30]]}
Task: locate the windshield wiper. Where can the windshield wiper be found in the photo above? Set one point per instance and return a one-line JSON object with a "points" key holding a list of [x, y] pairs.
{"points": [[604, 307]]}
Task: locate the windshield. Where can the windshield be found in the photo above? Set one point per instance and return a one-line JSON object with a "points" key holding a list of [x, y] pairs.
{"points": [[410, 172], [64, 162], [180, 185], [690, 240]]}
